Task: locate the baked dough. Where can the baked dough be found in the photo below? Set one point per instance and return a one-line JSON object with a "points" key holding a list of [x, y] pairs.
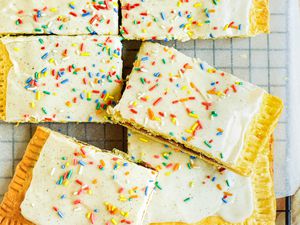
{"points": [[101, 187], [187, 188], [185, 20], [59, 78], [203, 111], [57, 17]]}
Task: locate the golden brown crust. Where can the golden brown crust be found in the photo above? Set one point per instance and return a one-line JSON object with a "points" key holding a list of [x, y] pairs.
{"points": [[5, 65], [259, 17], [10, 212], [264, 197], [261, 127]]}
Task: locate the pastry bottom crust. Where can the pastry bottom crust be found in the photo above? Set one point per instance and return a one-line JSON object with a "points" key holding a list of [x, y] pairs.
{"points": [[264, 197]]}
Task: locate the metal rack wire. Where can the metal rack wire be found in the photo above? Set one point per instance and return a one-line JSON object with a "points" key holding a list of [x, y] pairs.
{"points": [[288, 208]]}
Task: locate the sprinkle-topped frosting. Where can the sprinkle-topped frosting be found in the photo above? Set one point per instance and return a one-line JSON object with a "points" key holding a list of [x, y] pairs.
{"points": [[186, 100], [185, 19], [74, 183], [59, 17], [60, 78], [188, 189]]}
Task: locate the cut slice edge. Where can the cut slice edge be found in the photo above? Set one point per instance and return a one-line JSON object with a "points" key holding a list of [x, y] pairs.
{"points": [[260, 129]]}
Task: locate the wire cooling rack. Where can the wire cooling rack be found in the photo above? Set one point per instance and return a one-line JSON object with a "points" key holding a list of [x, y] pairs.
{"points": [[261, 60]]}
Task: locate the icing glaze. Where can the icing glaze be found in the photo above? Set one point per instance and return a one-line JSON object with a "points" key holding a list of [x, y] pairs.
{"points": [[56, 17], [184, 20], [77, 184], [189, 101], [188, 189], [62, 78]]}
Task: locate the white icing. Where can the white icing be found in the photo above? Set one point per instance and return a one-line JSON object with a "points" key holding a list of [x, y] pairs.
{"points": [[101, 56], [235, 110], [167, 204], [58, 17], [185, 20], [44, 194]]}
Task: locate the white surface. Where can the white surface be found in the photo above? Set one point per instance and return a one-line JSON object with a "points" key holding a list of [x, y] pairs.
{"points": [[292, 164], [287, 154]]}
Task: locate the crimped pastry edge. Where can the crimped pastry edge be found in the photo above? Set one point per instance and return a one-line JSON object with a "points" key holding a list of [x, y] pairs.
{"points": [[259, 132], [259, 17], [5, 65], [10, 212]]}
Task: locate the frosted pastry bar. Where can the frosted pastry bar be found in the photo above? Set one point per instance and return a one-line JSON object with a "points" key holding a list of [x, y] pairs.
{"points": [[204, 111], [59, 17], [59, 78], [189, 190], [193, 19], [63, 181]]}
